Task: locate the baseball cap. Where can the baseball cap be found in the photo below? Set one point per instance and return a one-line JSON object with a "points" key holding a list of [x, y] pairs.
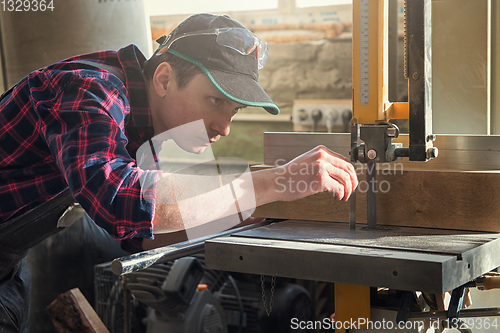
{"points": [[233, 73]]}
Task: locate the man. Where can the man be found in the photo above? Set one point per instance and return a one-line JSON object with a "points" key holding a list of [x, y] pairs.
{"points": [[80, 126]]}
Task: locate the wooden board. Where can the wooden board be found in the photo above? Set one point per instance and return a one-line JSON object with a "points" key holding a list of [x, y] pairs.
{"points": [[71, 312], [432, 199]]}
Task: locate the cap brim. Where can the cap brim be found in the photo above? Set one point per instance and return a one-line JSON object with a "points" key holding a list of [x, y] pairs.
{"points": [[240, 88]]}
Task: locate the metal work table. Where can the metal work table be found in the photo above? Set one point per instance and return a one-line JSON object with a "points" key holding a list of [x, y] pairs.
{"points": [[404, 258]]}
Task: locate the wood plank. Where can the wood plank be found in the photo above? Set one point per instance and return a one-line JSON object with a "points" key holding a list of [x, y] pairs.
{"points": [[432, 199], [71, 312]]}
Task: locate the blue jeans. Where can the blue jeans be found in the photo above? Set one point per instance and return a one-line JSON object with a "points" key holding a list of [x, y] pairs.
{"points": [[15, 299]]}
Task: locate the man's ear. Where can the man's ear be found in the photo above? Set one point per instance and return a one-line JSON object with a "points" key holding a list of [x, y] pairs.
{"points": [[163, 76]]}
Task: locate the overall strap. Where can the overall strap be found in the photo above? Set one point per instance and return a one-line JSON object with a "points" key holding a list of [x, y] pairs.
{"points": [[7, 92], [107, 68]]}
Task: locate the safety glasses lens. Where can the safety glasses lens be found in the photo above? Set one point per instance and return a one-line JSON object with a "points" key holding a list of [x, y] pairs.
{"points": [[244, 42], [263, 53], [240, 40]]}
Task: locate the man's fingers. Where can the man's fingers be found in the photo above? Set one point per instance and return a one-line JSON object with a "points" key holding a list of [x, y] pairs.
{"points": [[339, 169], [330, 171], [334, 186], [347, 168], [342, 177], [338, 181], [340, 192]]}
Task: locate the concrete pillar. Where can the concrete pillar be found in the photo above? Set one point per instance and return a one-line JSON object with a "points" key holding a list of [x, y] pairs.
{"points": [[34, 39], [286, 6]]}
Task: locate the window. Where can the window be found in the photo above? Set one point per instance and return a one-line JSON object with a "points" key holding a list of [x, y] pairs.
{"points": [[313, 3], [162, 7]]}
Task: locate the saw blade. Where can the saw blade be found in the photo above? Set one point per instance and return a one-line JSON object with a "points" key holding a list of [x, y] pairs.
{"points": [[405, 41]]}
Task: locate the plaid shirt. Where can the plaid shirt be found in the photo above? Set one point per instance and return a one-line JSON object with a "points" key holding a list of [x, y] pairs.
{"points": [[73, 126]]}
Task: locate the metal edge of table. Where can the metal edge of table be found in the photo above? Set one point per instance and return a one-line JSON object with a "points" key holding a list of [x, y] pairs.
{"points": [[404, 270]]}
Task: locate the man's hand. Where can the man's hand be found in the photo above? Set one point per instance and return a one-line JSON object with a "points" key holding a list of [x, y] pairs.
{"points": [[317, 170]]}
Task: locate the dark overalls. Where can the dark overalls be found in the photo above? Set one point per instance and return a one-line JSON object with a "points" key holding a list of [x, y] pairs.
{"points": [[17, 236]]}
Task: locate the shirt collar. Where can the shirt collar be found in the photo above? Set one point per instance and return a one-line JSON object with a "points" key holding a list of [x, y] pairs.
{"points": [[132, 61]]}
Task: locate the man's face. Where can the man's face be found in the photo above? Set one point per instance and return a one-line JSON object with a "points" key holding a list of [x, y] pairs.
{"points": [[198, 100]]}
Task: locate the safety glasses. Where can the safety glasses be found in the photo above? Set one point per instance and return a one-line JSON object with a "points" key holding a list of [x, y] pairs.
{"points": [[238, 39]]}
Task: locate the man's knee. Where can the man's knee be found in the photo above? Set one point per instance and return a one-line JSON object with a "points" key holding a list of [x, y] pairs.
{"points": [[14, 299]]}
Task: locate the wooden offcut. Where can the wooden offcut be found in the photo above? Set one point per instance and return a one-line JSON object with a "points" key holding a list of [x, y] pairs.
{"points": [[71, 312], [459, 200]]}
